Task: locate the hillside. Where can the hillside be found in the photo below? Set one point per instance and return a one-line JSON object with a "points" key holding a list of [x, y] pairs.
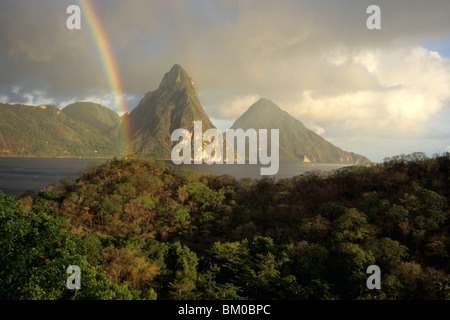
{"points": [[297, 143], [142, 229], [46, 131], [92, 114]]}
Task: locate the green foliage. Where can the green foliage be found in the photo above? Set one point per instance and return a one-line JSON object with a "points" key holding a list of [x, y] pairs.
{"points": [[180, 274], [125, 190], [389, 253], [48, 131], [310, 262], [349, 268], [204, 196], [93, 249], [35, 251], [93, 115], [149, 203], [142, 229], [427, 208], [259, 264], [397, 213], [49, 195], [351, 227]]}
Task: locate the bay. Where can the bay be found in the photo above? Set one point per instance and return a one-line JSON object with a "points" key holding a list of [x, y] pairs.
{"points": [[252, 171], [20, 175]]}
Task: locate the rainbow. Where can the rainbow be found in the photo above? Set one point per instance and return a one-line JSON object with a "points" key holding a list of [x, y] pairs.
{"points": [[110, 67]]}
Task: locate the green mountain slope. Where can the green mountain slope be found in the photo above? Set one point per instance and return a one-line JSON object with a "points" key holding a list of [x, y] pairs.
{"points": [[92, 114], [47, 131], [297, 143]]}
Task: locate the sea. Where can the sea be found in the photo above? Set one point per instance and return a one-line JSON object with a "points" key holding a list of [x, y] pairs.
{"points": [[21, 175]]}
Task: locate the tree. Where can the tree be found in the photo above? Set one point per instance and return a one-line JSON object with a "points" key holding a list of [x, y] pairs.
{"points": [[125, 190], [208, 288], [349, 264], [35, 250], [315, 229], [126, 265], [178, 273], [204, 197], [388, 253], [351, 227], [257, 269], [310, 262]]}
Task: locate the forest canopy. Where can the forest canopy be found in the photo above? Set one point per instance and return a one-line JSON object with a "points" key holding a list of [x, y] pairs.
{"points": [[144, 229]]}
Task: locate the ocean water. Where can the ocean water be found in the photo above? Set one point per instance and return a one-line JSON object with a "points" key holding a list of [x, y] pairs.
{"points": [[20, 175], [252, 171]]}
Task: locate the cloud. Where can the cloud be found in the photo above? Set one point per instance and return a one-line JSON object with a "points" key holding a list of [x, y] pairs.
{"points": [[232, 109], [315, 59], [409, 87], [251, 47]]}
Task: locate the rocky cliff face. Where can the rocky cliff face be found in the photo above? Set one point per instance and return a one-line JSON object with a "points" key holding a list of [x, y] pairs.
{"points": [[173, 105]]}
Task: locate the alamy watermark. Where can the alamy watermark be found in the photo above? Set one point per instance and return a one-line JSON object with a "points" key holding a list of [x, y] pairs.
{"points": [[374, 281], [73, 22], [374, 20], [74, 280], [213, 152]]}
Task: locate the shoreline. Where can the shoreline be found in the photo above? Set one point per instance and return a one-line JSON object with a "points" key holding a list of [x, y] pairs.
{"points": [[54, 157], [170, 160]]}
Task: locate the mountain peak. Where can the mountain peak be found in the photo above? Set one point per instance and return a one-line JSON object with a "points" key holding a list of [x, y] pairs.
{"points": [[263, 109], [265, 104], [177, 78], [297, 143], [174, 105]]}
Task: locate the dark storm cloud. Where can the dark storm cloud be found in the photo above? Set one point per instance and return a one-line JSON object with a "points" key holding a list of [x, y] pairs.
{"points": [[316, 59], [236, 46]]}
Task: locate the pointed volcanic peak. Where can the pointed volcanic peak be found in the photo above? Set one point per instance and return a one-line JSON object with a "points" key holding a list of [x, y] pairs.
{"points": [[261, 112], [176, 79], [297, 143], [173, 105]]}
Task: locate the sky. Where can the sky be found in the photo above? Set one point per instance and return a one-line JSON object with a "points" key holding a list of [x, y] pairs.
{"points": [[378, 93]]}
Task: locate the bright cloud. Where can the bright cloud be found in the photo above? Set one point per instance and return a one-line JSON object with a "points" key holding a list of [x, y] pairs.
{"points": [[233, 108], [411, 88]]}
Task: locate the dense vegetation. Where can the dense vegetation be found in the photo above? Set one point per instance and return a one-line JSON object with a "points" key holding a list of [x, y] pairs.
{"points": [[46, 131], [142, 229], [93, 115]]}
